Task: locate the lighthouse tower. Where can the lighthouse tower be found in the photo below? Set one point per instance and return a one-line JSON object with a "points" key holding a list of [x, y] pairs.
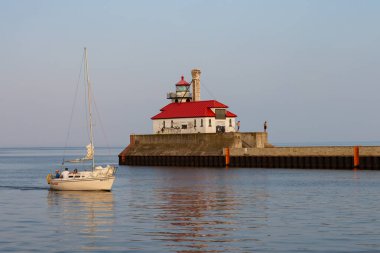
{"points": [[182, 92]]}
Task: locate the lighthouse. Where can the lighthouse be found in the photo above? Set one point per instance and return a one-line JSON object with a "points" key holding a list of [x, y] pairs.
{"points": [[188, 114]]}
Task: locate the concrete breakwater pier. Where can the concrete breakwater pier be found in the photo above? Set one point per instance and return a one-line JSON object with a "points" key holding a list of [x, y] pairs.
{"points": [[237, 149]]}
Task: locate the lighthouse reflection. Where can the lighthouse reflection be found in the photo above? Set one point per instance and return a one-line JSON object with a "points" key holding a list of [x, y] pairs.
{"points": [[194, 219], [84, 214]]}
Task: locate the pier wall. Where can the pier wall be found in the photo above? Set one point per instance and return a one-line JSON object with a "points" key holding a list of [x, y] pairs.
{"points": [[290, 162], [238, 140], [192, 144], [250, 150], [305, 151]]}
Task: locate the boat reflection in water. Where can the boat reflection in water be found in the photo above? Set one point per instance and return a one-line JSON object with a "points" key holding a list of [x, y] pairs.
{"points": [[85, 218]]}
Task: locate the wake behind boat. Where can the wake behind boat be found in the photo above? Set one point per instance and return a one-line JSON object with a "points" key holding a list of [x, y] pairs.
{"points": [[98, 178]]}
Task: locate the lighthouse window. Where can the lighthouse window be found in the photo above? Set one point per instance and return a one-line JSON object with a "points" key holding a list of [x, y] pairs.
{"points": [[201, 122], [171, 124], [181, 88], [209, 122], [163, 123], [220, 114], [195, 123], [184, 127], [230, 122]]}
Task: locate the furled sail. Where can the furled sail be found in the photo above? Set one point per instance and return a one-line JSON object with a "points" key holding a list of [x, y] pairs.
{"points": [[90, 152], [89, 155]]}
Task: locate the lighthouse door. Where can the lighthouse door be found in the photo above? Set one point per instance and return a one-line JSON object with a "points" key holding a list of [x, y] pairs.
{"points": [[220, 129]]}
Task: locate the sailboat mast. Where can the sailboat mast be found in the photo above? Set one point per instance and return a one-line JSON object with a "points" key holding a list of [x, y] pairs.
{"points": [[89, 92]]}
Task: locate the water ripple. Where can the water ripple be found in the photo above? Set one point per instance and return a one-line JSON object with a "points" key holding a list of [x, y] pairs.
{"points": [[191, 210]]}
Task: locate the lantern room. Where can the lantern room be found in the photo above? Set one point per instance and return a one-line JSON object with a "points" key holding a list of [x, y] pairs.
{"points": [[182, 92]]}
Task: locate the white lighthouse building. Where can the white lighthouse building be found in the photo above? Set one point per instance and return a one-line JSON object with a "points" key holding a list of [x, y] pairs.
{"points": [[188, 114]]}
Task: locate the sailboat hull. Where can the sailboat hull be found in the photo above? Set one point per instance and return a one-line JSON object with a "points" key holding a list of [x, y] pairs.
{"points": [[93, 184]]}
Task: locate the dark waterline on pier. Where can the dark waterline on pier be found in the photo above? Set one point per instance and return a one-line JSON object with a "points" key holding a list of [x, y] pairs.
{"points": [[172, 209]]}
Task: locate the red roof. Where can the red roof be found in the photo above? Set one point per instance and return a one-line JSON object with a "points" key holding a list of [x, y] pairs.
{"points": [[182, 82], [191, 110]]}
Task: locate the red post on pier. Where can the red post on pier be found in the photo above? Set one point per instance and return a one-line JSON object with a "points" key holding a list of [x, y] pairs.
{"points": [[227, 155], [356, 158]]}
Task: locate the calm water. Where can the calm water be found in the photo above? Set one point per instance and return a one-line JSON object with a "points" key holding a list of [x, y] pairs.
{"points": [[167, 209]]}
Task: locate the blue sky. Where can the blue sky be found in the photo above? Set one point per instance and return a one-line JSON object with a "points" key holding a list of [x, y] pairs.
{"points": [[310, 68]]}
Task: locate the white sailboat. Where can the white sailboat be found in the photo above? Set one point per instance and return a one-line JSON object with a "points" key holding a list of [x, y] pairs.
{"points": [[98, 178]]}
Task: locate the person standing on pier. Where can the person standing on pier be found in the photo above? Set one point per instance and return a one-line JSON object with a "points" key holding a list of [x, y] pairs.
{"points": [[265, 126], [238, 125]]}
